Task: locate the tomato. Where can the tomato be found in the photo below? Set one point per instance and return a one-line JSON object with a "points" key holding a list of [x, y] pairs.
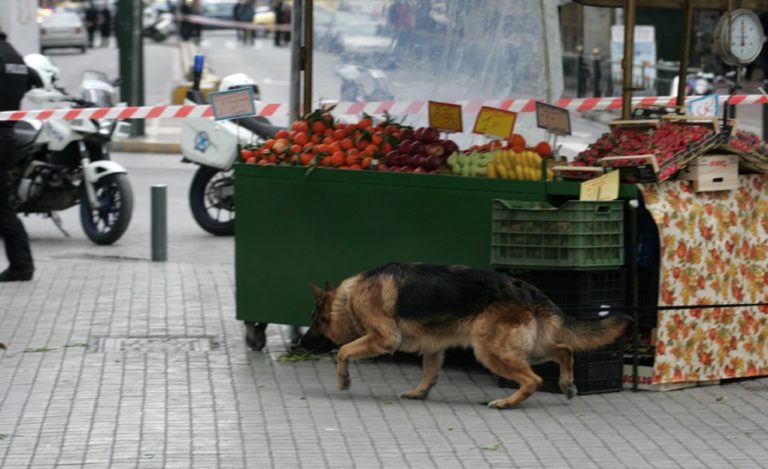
{"points": [[339, 134], [245, 154], [301, 138], [282, 133]]}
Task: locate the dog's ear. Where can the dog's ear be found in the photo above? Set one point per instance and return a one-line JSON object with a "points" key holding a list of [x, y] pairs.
{"points": [[329, 286], [317, 292]]}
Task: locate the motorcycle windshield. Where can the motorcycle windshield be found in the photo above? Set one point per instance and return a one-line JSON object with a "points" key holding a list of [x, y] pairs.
{"points": [[95, 88]]}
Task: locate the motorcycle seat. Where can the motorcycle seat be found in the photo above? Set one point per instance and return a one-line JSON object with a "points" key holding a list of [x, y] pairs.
{"points": [[258, 125], [24, 133]]}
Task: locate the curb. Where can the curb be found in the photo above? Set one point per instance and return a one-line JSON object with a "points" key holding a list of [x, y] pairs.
{"points": [[145, 146]]}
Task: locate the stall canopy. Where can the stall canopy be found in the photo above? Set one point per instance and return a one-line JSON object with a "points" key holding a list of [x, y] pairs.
{"points": [[677, 4]]}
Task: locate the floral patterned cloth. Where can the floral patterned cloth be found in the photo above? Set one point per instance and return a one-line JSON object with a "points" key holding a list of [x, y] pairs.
{"points": [[714, 250]]}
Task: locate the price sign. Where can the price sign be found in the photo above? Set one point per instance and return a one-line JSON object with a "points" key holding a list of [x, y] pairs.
{"points": [[555, 119], [605, 187], [232, 104], [706, 106], [498, 122], [445, 116]]}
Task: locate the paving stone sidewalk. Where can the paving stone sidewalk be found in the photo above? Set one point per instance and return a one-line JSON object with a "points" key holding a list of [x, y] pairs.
{"points": [[132, 364]]}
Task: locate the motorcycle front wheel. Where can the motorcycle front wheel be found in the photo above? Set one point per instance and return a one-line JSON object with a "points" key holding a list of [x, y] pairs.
{"points": [[106, 223], [212, 200]]}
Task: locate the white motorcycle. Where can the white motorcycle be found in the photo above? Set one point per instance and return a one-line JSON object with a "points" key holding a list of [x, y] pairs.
{"points": [[214, 146], [58, 164]]}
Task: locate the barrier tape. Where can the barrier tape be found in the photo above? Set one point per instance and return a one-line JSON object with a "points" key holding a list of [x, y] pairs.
{"points": [[204, 20], [396, 108]]}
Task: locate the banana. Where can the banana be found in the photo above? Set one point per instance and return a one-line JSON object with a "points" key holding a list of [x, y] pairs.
{"points": [[503, 172], [492, 172]]}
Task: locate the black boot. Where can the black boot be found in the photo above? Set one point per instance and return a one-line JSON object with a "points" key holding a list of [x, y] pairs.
{"points": [[13, 275]]}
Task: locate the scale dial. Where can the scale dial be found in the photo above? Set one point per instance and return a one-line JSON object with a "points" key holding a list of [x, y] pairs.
{"points": [[740, 39]]}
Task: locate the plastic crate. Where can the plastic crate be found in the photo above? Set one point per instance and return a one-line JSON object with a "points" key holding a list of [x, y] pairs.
{"points": [[594, 372], [585, 295], [578, 235]]}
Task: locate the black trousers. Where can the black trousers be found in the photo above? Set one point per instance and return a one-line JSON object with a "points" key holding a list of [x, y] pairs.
{"points": [[11, 229]]}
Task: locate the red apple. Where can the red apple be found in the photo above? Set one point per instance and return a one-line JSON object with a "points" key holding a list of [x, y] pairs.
{"points": [[430, 135], [419, 160], [433, 162], [419, 169], [383, 168], [449, 146], [406, 133], [406, 145], [404, 160], [418, 147], [435, 149], [392, 158]]}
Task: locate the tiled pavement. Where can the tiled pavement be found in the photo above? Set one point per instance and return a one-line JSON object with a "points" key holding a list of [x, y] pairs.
{"points": [[74, 392]]}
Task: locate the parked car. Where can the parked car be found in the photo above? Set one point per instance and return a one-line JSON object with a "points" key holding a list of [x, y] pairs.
{"points": [[62, 29], [217, 9]]}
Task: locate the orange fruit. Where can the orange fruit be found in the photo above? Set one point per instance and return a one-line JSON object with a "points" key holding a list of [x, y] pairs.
{"points": [[338, 159], [301, 138], [352, 159], [543, 149], [318, 127], [282, 133], [306, 158], [517, 140]]}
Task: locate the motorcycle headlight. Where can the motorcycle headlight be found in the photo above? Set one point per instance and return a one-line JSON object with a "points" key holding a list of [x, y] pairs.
{"points": [[106, 126], [700, 86]]}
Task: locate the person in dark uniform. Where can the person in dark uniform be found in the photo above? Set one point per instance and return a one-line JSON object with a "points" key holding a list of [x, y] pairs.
{"points": [[91, 22], [15, 80]]}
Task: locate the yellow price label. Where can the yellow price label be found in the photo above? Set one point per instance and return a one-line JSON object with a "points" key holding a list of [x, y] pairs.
{"points": [[498, 122], [605, 187], [445, 116]]}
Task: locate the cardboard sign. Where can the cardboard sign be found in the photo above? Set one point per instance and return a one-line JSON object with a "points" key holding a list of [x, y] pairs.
{"points": [[445, 116], [498, 122], [706, 106], [552, 118], [232, 104], [605, 187]]}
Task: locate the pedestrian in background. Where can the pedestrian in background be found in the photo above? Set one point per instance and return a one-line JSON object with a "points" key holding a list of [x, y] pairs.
{"points": [[15, 80], [91, 22], [246, 13], [279, 9], [235, 16], [105, 25]]}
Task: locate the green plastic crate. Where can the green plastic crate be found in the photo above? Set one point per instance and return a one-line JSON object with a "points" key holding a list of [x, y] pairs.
{"points": [[578, 235]]}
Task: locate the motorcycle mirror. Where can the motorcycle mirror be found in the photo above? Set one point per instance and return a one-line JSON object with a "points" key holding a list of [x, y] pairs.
{"points": [[117, 81]]}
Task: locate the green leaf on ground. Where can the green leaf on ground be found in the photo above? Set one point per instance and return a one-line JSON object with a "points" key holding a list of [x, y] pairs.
{"points": [[297, 355], [492, 447], [37, 350], [76, 344]]}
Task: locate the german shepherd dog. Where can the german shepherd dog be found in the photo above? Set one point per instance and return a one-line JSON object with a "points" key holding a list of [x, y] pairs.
{"points": [[426, 309]]}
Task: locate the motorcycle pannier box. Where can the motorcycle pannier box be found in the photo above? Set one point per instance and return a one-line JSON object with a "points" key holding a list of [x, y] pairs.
{"points": [[209, 143]]}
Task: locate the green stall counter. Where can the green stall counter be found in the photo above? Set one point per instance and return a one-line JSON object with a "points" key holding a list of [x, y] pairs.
{"points": [[295, 228]]}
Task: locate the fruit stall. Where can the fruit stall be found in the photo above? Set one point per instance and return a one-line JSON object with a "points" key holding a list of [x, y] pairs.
{"points": [[325, 199]]}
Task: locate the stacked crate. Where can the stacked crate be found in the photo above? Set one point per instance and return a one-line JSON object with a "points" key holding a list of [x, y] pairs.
{"points": [[575, 255]]}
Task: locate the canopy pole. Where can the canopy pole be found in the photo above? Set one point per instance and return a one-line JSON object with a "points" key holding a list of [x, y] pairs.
{"points": [[308, 4], [630, 7], [686, 48], [296, 61]]}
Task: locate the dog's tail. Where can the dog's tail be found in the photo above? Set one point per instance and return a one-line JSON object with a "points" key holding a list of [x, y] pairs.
{"points": [[583, 336]]}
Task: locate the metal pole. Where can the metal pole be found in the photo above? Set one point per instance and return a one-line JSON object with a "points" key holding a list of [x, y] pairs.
{"points": [[629, 44], [308, 5], [686, 42], [159, 222], [765, 121], [633, 296], [131, 57], [296, 61]]}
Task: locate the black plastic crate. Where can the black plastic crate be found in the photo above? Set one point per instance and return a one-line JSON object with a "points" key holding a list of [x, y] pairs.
{"points": [[584, 295], [594, 372]]}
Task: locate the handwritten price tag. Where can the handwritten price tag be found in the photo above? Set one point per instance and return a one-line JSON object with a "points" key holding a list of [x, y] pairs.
{"points": [[232, 104], [445, 116], [605, 187], [555, 119], [498, 122]]}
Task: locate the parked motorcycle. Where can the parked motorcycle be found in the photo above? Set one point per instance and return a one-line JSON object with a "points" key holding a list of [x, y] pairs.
{"points": [[214, 146], [58, 164], [163, 26], [696, 84]]}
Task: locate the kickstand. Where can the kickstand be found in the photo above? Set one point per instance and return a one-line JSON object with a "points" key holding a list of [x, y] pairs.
{"points": [[59, 224]]}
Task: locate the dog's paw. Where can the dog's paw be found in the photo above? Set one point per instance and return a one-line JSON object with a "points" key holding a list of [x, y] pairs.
{"points": [[344, 382], [569, 389], [498, 404], [413, 394]]}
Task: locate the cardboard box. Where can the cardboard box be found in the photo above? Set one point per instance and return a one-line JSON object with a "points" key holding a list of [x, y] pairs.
{"points": [[645, 375], [714, 172]]}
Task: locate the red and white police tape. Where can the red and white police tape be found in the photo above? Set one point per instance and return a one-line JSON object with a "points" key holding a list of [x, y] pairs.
{"points": [[397, 108], [229, 24]]}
